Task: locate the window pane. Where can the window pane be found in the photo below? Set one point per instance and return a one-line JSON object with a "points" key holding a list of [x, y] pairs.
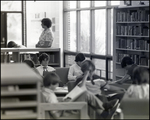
{"points": [[70, 4], [111, 31], [71, 31], [10, 5], [14, 27], [69, 60], [84, 4], [100, 64], [85, 31], [100, 32], [115, 2], [110, 73], [100, 3]]}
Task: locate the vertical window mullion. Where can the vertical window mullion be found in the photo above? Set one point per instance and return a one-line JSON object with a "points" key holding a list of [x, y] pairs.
{"points": [[78, 27]]}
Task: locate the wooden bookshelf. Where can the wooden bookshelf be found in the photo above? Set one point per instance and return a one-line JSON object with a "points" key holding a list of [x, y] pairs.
{"points": [[31, 53], [20, 92], [130, 36]]}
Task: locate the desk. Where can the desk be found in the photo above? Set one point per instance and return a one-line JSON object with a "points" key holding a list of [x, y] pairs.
{"points": [[53, 52]]}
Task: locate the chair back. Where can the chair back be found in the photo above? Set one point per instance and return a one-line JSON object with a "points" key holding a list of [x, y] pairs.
{"points": [[133, 108], [63, 74]]}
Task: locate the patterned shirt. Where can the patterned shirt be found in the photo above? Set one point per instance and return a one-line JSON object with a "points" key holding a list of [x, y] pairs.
{"points": [[46, 38]]}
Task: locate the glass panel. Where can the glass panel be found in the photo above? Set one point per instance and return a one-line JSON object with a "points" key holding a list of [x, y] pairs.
{"points": [[10, 5], [111, 31], [100, 64], [69, 60], [84, 4], [100, 32], [14, 28], [115, 2], [110, 73], [85, 31], [100, 3], [71, 31], [70, 4]]}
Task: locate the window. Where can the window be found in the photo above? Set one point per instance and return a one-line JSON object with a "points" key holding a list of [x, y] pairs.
{"points": [[10, 5], [92, 31]]}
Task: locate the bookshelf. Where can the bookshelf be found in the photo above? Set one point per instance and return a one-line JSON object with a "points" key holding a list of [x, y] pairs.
{"points": [[131, 37], [31, 53], [20, 92]]}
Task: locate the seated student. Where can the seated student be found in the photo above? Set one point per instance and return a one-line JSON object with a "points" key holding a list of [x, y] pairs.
{"points": [[12, 44], [129, 65], [140, 86], [51, 81], [31, 64], [99, 84], [75, 69], [44, 68]]}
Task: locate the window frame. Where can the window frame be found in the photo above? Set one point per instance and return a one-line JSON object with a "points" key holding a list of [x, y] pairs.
{"points": [[91, 54]]}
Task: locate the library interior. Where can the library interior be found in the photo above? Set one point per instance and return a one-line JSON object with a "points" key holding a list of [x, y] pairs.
{"points": [[75, 59]]}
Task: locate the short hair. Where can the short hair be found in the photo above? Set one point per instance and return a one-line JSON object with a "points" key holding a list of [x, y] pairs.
{"points": [[43, 56], [51, 78], [47, 22], [30, 63], [139, 77], [79, 57], [126, 61], [86, 65], [11, 44]]}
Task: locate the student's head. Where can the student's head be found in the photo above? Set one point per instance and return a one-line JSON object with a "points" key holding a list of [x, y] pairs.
{"points": [[88, 65], [140, 75], [126, 62], [51, 80], [11, 44], [44, 59], [30, 63], [46, 22], [79, 58]]}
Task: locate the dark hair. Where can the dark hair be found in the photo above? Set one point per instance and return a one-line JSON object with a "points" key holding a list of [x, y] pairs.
{"points": [[47, 22], [43, 56], [86, 65], [11, 44], [51, 78], [138, 75], [30, 63], [126, 61], [80, 57]]}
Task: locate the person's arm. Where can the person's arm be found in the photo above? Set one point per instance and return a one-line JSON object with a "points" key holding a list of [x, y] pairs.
{"points": [[114, 88], [123, 79]]}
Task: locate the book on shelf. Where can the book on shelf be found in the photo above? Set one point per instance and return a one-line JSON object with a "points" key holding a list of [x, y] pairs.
{"points": [[10, 88], [132, 15]]}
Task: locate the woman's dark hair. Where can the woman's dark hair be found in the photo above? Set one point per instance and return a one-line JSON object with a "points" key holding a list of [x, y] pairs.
{"points": [[80, 57], [11, 44], [126, 61], [43, 56], [47, 22], [86, 65], [139, 77], [51, 78], [30, 63]]}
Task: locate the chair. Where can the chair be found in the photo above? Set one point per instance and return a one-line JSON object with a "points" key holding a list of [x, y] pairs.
{"points": [[63, 74], [81, 106], [133, 108]]}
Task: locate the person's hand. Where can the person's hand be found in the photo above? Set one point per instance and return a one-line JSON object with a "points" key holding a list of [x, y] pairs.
{"points": [[79, 76]]}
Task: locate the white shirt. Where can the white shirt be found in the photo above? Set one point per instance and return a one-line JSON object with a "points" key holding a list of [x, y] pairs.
{"points": [[74, 71], [138, 91], [40, 69]]}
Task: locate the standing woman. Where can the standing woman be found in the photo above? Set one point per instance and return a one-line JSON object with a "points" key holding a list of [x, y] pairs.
{"points": [[47, 37]]}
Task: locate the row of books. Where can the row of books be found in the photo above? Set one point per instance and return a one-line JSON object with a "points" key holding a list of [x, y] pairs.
{"points": [[138, 30], [138, 59], [132, 15], [134, 44]]}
